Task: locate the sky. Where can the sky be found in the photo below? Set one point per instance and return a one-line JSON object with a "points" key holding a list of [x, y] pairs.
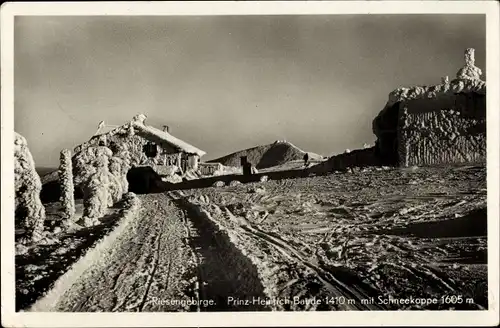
{"points": [[226, 83]]}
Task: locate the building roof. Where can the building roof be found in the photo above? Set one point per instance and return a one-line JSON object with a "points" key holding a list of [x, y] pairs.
{"points": [[148, 132], [160, 136]]}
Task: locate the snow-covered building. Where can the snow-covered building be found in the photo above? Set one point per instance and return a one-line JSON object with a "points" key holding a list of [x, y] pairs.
{"points": [[439, 124], [148, 146]]}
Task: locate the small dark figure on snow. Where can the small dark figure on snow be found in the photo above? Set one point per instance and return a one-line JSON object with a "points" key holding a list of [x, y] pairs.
{"points": [[306, 160]]}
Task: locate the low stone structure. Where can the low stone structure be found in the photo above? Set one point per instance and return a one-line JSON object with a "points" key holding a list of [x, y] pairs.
{"points": [[210, 169], [30, 213], [341, 162]]}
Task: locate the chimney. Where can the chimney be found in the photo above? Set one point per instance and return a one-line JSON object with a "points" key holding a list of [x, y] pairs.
{"points": [[166, 128]]}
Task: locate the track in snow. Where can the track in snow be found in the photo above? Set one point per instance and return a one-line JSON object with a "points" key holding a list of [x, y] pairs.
{"points": [[223, 271], [147, 265]]}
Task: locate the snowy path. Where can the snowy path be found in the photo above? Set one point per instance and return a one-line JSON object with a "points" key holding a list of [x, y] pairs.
{"points": [[145, 269], [168, 257]]}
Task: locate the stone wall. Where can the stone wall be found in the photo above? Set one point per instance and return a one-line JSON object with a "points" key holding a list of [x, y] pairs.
{"points": [[439, 124], [356, 158], [436, 117], [443, 130]]}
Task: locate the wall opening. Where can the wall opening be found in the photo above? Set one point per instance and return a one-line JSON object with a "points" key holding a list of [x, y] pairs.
{"points": [[150, 149]]}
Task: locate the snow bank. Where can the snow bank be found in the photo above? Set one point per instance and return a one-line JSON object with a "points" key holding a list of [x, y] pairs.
{"points": [[93, 259]]}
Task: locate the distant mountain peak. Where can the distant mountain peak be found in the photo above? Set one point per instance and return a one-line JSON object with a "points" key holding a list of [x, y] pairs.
{"points": [[264, 156]]}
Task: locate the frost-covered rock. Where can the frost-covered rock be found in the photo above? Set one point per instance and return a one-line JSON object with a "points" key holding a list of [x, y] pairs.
{"points": [[28, 186], [464, 85], [218, 184], [96, 190], [175, 178], [21, 249], [125, 164], [102, 175], [257, 189], [67, 187], [234, 183], [91, 165], [139, 118], [118, 168], [469, 71]]}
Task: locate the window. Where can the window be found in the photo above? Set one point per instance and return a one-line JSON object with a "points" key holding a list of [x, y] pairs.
{"points": [[114, 147], [150, 149]]}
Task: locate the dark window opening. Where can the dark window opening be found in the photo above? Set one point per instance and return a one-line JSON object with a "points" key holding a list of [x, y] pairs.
{"points": [[243, 160], [114, 147], [150, 149]]}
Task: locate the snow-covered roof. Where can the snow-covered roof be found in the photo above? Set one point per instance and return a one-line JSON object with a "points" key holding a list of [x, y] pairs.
{"points": [[148, 132], [105, 130], [163, 136]]}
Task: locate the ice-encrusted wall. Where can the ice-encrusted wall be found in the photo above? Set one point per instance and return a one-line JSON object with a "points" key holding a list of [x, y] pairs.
{"points": [[441, 137], [439, 124], [443, 130]]}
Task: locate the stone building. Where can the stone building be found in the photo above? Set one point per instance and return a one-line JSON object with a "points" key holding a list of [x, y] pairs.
{"points": [[440, 124], [148, 146]]}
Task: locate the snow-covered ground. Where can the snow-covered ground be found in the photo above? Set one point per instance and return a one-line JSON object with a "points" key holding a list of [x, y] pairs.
{"points": [[345, 241], [398, 233]]}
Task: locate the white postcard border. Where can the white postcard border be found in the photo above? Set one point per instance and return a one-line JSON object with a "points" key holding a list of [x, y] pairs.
{"points": [[236, 319]]}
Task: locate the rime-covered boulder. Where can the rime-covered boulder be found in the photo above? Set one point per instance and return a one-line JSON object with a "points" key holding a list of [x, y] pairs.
{"points": [[102, 175], [234, 183], [92, 174], [28, 185], [469, 71], [115, 180], [218, 184]]}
